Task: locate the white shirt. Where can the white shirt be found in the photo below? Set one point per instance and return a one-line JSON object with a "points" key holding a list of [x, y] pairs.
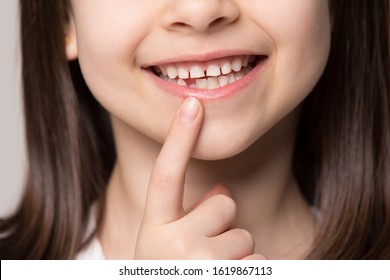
{"points": [[94, 250]]}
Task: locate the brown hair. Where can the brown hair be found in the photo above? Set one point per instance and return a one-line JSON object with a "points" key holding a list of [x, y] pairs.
{"points": [[70, 146], [342, 156]]}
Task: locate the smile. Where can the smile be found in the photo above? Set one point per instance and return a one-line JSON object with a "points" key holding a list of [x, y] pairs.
{"points": [[207, 75], [209, 79]]}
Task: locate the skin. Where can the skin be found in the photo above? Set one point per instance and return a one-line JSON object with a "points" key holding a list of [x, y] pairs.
{"points": [[202, 179]]}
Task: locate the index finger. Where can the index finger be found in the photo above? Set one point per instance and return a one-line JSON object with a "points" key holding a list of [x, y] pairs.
{"points": [[164, 201]]}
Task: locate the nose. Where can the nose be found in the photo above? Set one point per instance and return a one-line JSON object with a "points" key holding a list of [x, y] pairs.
{"points": [[200, 16]]}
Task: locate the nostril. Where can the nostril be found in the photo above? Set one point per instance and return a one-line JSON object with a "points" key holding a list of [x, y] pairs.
{"points": [[180, 25], [217, 22], [201, 26]]}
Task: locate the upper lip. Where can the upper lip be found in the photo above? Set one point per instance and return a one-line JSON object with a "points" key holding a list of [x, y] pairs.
{"points": [[200, 57]]}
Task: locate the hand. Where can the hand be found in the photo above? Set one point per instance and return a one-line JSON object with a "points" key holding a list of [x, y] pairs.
{"points": [[205, 232]]}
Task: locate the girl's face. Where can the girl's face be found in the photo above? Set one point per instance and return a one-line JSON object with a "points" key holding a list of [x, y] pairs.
{"points": [[250, 62]]}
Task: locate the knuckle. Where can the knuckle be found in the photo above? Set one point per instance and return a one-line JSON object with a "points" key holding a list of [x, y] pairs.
{"points": [[260, 257], [246, 237], [206, 253], [225, 202], [255, 257], [181, 246]]}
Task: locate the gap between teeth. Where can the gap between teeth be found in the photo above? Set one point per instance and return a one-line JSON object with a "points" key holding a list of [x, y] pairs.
{"points": [[212, 82], [197, 72]]}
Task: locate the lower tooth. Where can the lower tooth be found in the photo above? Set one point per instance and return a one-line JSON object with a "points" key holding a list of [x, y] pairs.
{"points": [[212, 83], [223, 81], [239, 75], [232, 78], [202, 83], [181, 82]]}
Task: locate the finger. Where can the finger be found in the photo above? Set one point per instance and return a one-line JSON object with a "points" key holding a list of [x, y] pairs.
{"points": [[234, 244], [212, 217], [217, 189], [164, 202], [255, 257]]}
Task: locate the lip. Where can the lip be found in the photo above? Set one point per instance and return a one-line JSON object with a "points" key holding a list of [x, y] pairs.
{"points": [[202, 57], [205, 94]]}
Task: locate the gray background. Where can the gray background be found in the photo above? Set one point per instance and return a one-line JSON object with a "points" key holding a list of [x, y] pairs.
{"points": [[12, 149]]}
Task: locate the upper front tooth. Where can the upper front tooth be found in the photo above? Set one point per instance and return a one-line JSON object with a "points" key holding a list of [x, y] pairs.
{"points": [[237, 64], [172, 72], [245, 61], [213, 71], [183, 73], [197, 72], [226, 68]]}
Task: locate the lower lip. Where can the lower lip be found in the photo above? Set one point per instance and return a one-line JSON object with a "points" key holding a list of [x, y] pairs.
{"points": [[205, 94]]}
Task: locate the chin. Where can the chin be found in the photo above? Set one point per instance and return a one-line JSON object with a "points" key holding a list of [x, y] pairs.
{"points": [[213, 149]]}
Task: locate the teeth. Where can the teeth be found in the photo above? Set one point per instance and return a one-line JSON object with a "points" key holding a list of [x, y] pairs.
{"points": [[237, 64], [209, 83], [202, 83], [239, 75], [181, 82], [232, 78], [213, 71], [157, 69], [197, 72], [246, 70], [212, 83], [213, 77], [226, 68], [183, 73], [164, 71], [172, 72], [245, 61], [223, 81]]}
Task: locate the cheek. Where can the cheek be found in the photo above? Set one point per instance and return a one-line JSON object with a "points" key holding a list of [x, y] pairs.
{"points": [[108, 36], [300, 32]]}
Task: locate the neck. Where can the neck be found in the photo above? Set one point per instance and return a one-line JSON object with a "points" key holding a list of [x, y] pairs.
{"points": [[260, 179]]}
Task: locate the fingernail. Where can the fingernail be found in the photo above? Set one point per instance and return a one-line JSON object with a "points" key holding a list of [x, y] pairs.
{"points": [[189, 110]]}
